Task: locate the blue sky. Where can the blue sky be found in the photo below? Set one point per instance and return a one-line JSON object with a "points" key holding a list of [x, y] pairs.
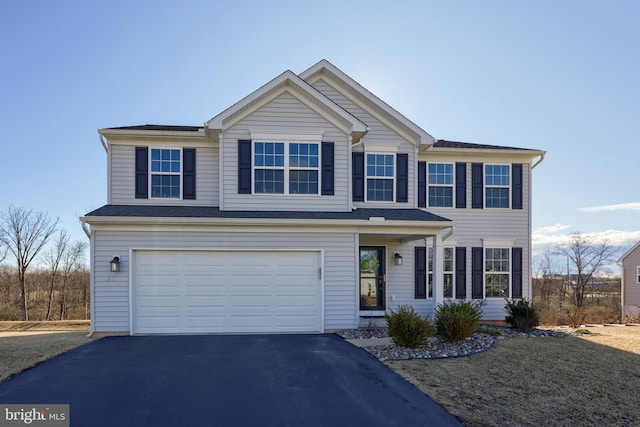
{"points": [[556, 76]]}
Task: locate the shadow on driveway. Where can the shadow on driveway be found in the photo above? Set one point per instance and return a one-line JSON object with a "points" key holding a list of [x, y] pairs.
{"points": [[225, 380]]}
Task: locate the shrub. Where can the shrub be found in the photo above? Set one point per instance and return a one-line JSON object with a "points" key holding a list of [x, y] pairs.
{"points": [[521, 314], [574, 316], [456, 321], [407, 328], [601, 314]]}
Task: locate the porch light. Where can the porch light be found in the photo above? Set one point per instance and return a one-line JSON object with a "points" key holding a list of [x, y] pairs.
{"points": [[115, 264], [397, 259]]}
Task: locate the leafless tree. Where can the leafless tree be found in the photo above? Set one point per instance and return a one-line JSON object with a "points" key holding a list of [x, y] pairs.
{"points": [[587, 258], [24, 233], [547, 268], [52, 259], [70, 263]]}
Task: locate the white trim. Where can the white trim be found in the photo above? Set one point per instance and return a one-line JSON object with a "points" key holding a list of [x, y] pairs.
{"points": [[366, 177], [380, 147], [452, 185], [498, 243], [151, 173], [508, 187]]}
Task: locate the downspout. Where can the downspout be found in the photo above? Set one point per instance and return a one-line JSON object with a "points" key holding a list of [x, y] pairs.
{"points": [[104, 143], [85, 229], [539, 160], [446, 236]]}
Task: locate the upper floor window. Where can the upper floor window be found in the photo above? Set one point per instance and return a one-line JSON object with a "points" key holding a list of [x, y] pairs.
{"points": [[447, 264], [165, 173], [497, 185], [440, 181], [497, 272], [286, 168], [380, 177]]}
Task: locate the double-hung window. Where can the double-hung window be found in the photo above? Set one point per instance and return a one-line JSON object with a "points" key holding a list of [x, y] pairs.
{"points": [[497, 272], [440, 181], [448, 265], [380, 177], [166, 174], [497, 185], [286, 168]]}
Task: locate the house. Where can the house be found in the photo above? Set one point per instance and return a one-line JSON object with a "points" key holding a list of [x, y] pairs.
{"points": [[310, 205], [630, 292]]}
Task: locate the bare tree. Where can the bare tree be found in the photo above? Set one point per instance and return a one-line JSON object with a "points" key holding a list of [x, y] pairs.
{"points": [[587, 257], [70, 263], [52, 260], [547, 269], [25, 233]]}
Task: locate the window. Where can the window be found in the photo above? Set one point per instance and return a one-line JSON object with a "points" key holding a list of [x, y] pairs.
{"points": [[497, 182], [165, 173], [448, 265], [286, 168], [380, 177], [638, 274], [497, 272], [440, 179]]}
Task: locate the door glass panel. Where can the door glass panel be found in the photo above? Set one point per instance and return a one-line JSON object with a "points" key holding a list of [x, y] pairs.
{"points": [[371, 278]]}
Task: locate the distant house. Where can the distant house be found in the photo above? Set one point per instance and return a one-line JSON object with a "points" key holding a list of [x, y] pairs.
{"points": [[309, 205], [631, 282]]}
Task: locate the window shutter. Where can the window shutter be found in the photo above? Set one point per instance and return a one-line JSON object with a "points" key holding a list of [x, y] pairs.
{"points": [[461, 185], [357, 160], [477, 199], [244, 166], [421, 272], [516, 187], [327, 188], [477, 273], [461, 273], [516, 276], [402, 178], [422, 184], [142, 172], [189, 173]]}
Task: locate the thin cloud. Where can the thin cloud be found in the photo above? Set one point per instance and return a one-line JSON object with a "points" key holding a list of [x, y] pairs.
{"points": [[609, 208], [548, 237]]}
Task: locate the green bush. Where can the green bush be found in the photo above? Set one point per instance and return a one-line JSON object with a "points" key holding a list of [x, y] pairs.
{"points": [[456, 321], [407, 328], [521, 314]]}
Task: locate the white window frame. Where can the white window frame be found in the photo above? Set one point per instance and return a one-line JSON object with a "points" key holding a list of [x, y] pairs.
{"points": [[286, 168], [452, 272], [392, 179], [509, 274], [452, 185], [151, 173], [486, 186]]}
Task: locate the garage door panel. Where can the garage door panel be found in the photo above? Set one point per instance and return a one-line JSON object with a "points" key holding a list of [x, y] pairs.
{"points": [[234, 291]]}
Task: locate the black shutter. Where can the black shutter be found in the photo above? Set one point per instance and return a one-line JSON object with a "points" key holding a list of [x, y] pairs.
{"points": [[461, 185], [357, 175], [516, 276], [402, 178], [189, 173], [327, 169], [244, 166], [477, 273], [422, 184], [477, 199], [461, 273], [142, 172], [421, 272], [516, 187]]}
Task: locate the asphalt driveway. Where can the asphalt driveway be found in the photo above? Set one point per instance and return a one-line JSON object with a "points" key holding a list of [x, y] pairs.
{"points": [[225, 380]]}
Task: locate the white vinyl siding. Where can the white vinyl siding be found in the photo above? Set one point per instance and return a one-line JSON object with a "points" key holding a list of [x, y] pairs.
{"points": [[287, 114], [122, 175], [111, 290], [631, 280]]}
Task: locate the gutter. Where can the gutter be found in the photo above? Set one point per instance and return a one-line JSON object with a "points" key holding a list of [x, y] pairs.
{"points": [[103, 140], [85, 228], [539, 160]]}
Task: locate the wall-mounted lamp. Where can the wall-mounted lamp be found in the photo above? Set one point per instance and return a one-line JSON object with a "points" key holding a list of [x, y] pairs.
{"points": [[115, 264], [397, 259]]}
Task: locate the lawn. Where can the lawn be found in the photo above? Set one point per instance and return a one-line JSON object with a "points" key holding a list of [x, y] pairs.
{"points": [[584, 381]]}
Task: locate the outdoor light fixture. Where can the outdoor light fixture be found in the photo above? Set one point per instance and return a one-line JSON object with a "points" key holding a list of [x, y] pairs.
{"points": [[115, 264], [397, 259]]}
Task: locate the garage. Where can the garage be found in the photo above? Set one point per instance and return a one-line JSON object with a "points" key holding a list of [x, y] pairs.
{"points": [[190, 292]]}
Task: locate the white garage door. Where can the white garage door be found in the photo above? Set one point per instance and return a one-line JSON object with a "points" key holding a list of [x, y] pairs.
{"points": [[237, 292]]}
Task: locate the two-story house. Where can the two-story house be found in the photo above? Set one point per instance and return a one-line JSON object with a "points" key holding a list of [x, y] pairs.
{"points": [[309, 205]]}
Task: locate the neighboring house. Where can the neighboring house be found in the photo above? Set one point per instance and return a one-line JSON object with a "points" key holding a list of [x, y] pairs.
{"points": [[310, 205], [630, 292]]}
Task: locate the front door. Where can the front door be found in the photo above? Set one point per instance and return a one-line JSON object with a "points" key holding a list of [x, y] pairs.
{"points": [[372, 278]]}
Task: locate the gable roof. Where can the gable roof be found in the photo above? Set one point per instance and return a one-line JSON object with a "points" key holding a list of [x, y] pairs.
{"points": [[626, 254], [325, 68], [288, 81]]}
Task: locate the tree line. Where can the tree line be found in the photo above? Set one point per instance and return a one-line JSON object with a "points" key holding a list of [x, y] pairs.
{"points": [[42, 274]]}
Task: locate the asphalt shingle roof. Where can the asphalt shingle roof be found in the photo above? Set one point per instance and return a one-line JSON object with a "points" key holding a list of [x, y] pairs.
{"points": [[441, 143], [171, 128], [214, 212]]}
